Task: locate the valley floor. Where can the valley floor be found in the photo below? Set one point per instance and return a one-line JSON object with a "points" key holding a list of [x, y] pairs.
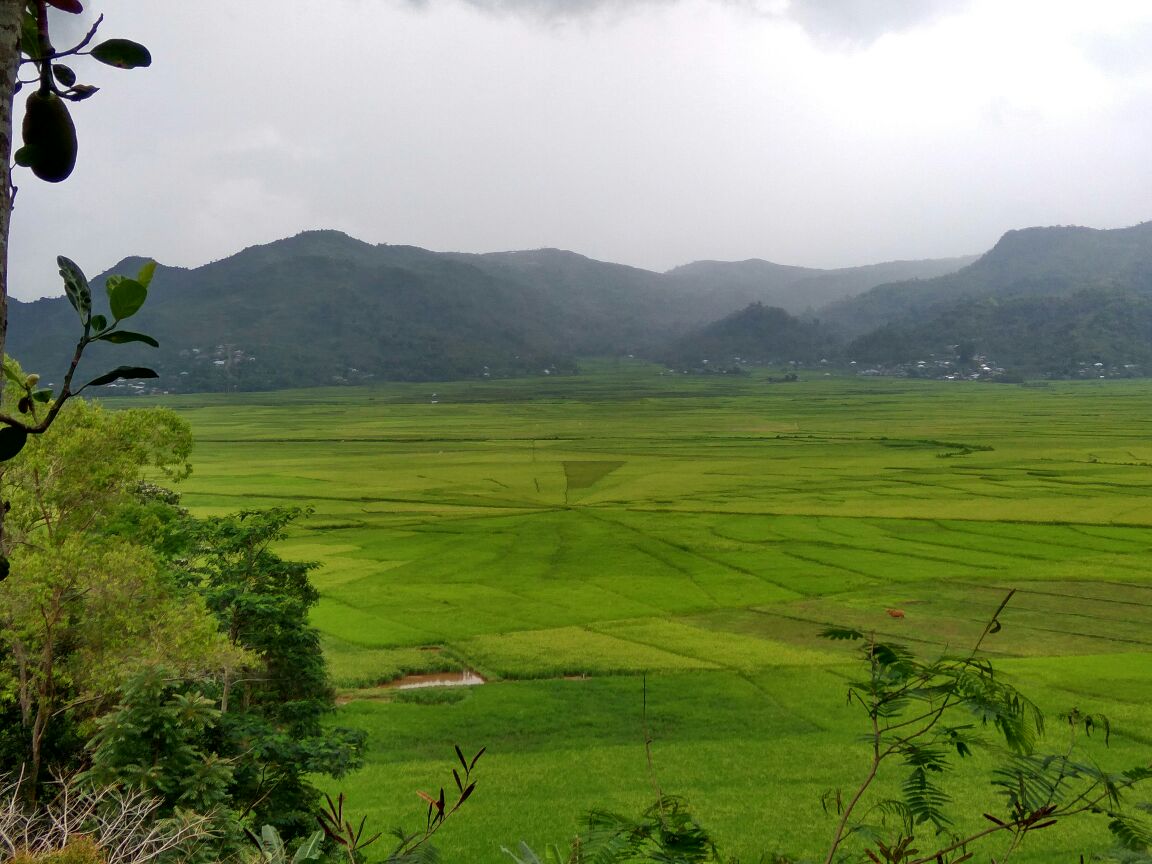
{"points": [[580, 542]]}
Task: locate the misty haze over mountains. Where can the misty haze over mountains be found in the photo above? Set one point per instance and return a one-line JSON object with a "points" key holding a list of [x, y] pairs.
{"points": [[322, 308]]}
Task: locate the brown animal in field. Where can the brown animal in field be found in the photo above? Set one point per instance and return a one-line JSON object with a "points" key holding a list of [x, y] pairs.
{"points": [[895, 613]]}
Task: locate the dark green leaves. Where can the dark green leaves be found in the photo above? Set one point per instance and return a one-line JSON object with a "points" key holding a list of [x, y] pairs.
{"points": [[121, 372], [76, 287], [73, 6], [125, 296], [29, 35], [64, 74], [119, 337], [12, 441], [122, 53]]}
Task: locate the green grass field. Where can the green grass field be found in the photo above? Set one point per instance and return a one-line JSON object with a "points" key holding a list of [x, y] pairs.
{"points": [[565, 536]]}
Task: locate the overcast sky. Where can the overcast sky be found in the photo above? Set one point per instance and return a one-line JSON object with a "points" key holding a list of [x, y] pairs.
{"points": [[824, 133]]}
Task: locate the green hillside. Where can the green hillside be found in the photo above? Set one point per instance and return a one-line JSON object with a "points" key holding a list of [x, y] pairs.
{"points": [[798, 289], [322, 308], [756, 335], [1034, 262]]}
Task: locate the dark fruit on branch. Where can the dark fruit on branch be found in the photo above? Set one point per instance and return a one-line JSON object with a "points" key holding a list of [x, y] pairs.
{"points": [[49, 137]]}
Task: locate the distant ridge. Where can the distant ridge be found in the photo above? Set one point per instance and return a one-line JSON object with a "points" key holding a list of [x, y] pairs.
{"points": [[1051, 261], [800, 289], [323, 308], [1045, 300]]}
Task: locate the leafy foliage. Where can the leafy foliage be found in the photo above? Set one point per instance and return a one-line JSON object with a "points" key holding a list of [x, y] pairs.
{"points": [[186, 642], [666, 832], [913, 707], [159, 740], [125, 297], [87, 608], [271, 722], [273, 851]]}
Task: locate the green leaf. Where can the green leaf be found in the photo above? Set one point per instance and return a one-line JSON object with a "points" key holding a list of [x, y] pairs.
{"points": [[24, 157], [271, 844], [310, 849], [120, 337], [64, 74], [29, 36], [144, 277], [99, 323], [122, 53], [12, 375], [42, 395], [122, 372], [12, 441], [125, 296], [76, 287]]}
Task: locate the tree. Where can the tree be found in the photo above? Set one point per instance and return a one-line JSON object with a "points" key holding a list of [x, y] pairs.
{"points": [[90, 606], [159, 741], [273, 718]]}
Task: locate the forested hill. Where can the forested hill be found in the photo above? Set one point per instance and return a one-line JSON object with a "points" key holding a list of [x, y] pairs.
{"points": [[1029, 263], [756, 335], [1049, 300], [323, 308], [736, 284]]}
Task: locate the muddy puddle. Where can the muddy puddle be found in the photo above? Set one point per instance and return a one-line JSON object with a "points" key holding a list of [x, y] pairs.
{"points": [[467, 678]]}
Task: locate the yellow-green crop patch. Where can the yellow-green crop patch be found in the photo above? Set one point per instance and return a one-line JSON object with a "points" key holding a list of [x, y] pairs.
{"points": [[581, 541]]}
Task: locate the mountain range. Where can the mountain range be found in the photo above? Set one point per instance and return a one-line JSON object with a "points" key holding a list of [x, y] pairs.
{"points": [[322, 308]]}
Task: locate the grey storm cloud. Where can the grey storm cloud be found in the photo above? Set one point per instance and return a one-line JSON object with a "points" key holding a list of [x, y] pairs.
{"points": [[867, 20], [839, 21]]}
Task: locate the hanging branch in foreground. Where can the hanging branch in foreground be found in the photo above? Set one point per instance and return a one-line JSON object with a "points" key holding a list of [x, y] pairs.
{"points": [[923, 715], [48, 133], [49, 151], [125, 297]]}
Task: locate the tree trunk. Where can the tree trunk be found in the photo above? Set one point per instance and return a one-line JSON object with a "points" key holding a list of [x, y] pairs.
{"points": [[11, 12]]}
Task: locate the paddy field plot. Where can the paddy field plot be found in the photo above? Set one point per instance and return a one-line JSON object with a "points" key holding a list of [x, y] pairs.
{"points": [[569, 539]]}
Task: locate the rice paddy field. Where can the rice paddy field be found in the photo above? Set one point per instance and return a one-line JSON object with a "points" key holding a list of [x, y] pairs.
{"points": [[577, 541]]}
